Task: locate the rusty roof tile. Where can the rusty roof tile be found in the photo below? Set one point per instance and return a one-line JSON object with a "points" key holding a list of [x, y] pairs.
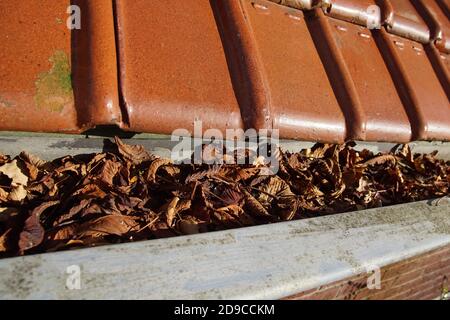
{"points": [[94, 69], [402, 19], [173, 68], [422, 93], [318, 74], [434, 15], [50, 79], [35, 56], [290, 89], [374, 96], [354, 11]]}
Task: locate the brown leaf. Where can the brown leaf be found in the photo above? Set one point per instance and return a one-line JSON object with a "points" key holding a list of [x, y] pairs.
{"points": [[17, 194], [4, 240], [212, 171], [171, 170], [109, 171], [362, 184], [34, 160], [65, 232], [406, 153], [318, 150], [231, 196], [133, 153], [32, 234], [154, 166], [75, 210], [108, 225], [34, 164], [12, 170], [3, 195], [70, 166], [3, 159], [171, 210], [380, 160], [191, 225], [254, 206], [245, 173], [201, 206], [90, 191]]}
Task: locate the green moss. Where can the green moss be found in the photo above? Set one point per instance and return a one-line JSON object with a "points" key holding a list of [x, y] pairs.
{"points": [[54, 88]]}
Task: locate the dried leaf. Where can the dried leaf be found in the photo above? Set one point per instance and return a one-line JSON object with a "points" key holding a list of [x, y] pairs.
{"points": [[109, 171], [4, 241], [172, 210], [34, 160], [65, 232], [380, 160], [134, 154], [154, 166], [14, 173], [231, 197], [17, 194], [3, 195], [90, 191], [254, 206], [259, 162], [3, 159], [190, 225], [33, 233], [108, 225], [113, 197]]}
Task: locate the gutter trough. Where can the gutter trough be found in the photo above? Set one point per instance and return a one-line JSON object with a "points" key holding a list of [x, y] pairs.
{"points": [[264, 262]]}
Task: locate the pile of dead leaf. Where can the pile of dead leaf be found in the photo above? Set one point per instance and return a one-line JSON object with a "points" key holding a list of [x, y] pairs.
{"points": [[129, 194]]}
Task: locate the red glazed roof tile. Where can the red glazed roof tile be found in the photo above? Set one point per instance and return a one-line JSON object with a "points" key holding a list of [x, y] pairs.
{"points": [[319, 74]]}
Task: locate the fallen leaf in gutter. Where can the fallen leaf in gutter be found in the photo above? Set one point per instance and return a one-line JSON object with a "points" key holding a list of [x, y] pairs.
{"points": [[14, 173], [172, 210], [17, 194], [33, 232], [4, 241]]}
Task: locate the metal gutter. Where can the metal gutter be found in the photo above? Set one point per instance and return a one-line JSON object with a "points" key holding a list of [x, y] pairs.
{"points": [[52, 146], [265, 262]]}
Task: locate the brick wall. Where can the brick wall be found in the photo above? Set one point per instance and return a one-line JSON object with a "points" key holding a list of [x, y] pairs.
{"points": [[422, 277]]}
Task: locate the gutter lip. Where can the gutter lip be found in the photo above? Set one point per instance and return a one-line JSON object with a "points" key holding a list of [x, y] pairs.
{"points": [[262, 262]]}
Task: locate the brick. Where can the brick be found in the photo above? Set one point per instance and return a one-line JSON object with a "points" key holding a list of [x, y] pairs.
{"points": [[326, 294], [420, 277]]}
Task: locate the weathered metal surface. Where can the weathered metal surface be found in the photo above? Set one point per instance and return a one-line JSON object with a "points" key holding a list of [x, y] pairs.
{"points": [[319, 74], [173, 68], [53, 146], [265, 262]]}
